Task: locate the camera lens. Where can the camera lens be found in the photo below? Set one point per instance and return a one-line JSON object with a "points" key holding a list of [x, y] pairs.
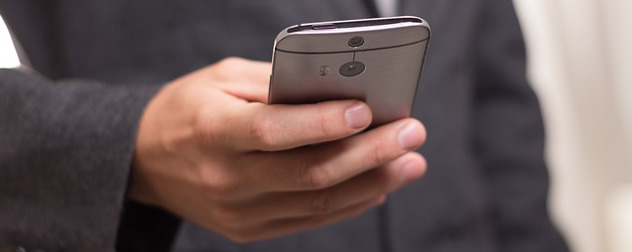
{"points": [[351, 69], [356, 41]]}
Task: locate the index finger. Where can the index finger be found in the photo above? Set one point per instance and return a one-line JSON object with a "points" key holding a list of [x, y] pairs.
{"points": [[261, 127]]}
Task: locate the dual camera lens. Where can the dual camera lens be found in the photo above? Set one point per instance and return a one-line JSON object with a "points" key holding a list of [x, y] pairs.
{"points": [[353, 68], [348, 69]]}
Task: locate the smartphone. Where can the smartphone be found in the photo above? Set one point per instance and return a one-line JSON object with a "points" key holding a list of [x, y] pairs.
{"points": [[378, 61]]}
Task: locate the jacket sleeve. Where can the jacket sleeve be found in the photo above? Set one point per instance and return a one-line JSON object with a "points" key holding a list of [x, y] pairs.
{"points": [[65, 155], [509, 136]]}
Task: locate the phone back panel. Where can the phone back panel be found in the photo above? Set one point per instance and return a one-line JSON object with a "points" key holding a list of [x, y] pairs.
{"points": [[307, 68]]}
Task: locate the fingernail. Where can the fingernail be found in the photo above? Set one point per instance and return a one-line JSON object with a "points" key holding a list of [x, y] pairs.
{"points": [[358, 116], [410, 172], [411, 136]]}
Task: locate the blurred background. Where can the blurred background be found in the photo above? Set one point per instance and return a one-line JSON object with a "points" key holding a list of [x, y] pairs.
{"points": [[580, 64]]}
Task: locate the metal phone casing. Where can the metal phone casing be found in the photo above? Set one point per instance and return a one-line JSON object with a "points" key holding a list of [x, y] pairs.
{"points": [[306, 65]]}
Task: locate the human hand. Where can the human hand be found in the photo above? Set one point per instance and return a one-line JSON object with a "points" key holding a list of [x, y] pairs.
{"points": [[211, 151]]}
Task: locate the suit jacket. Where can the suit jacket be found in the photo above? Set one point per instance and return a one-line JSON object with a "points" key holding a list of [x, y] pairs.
{"points": [[67, 132]]}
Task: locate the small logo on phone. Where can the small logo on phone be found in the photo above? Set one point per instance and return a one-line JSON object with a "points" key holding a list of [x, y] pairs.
{"points": [[324, 70]]}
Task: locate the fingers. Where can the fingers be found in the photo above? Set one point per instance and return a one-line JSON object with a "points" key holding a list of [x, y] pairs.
{"points": [[326, 165], [295, 212], [289, 226], [383, 180], [371, 184], [281, 127]]}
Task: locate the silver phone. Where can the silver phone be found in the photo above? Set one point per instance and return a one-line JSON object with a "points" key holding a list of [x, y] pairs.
{"points": [[378, 61]]}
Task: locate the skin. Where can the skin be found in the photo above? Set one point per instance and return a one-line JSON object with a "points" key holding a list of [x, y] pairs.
{"points": [[211, 151]]}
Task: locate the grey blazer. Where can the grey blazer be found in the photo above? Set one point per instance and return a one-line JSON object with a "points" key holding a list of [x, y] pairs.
{"points": [[67, 132]]}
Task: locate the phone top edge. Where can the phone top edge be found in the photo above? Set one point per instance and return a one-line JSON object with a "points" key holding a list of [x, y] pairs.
{"points": [[328, 37], [353, 23], [333, 27]]}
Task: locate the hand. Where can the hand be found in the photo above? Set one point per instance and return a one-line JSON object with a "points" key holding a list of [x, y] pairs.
{"points": [[210, 150]]}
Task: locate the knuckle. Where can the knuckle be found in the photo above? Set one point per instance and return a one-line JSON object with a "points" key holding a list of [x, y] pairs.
{"points": [[324, 122], [321, 203], [313, 177], [220, 188], [262, 131], [233, 60], [379, 155], [226, 67], [230, 61]]}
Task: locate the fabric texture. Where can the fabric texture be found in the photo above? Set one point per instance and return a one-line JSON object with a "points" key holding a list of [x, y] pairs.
{"points": [[485, 190], [65, 155]]}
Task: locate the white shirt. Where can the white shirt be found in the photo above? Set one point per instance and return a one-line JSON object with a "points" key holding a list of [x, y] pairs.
{"points": [[387, 8]]}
